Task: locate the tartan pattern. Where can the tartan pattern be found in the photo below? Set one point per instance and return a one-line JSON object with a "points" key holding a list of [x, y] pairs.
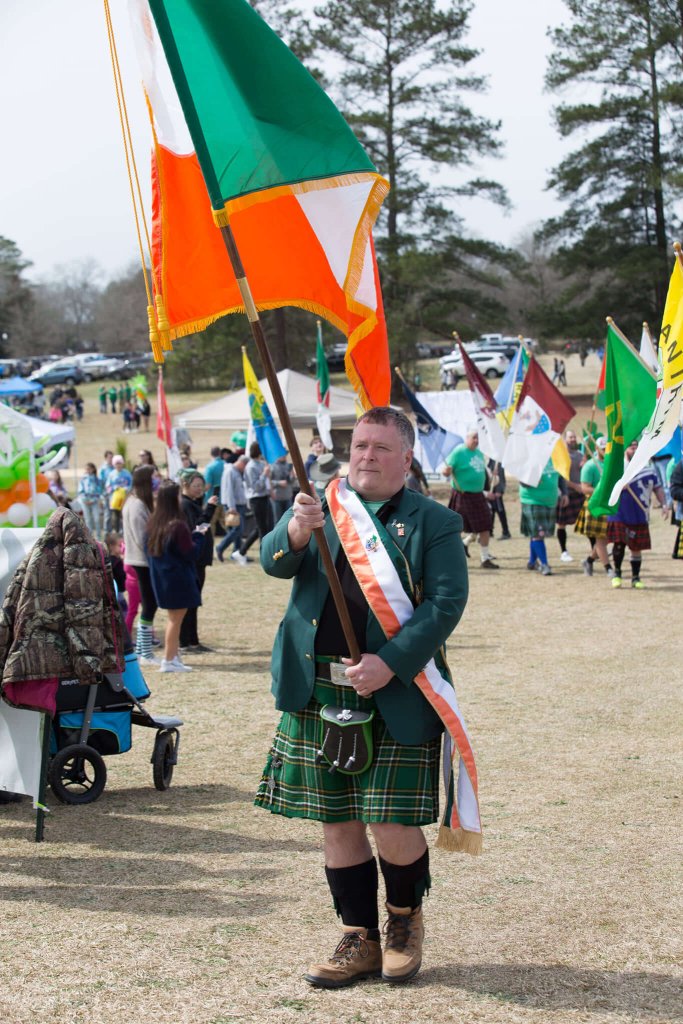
{"points": [[536, 518], [401, 785], [591, 526], [474, 509], [567, 516], [636, 536]]}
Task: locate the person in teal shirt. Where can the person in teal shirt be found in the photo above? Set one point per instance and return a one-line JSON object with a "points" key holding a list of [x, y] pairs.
{"points": [[539, 505], [466, 467], [594, 527]]}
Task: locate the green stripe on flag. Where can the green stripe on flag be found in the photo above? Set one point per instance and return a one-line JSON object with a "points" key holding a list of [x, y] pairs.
{"points": [[630, 394], [257, 118]]}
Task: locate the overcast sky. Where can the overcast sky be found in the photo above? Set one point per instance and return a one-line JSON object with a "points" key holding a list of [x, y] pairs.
{"points": [[63, 186]]}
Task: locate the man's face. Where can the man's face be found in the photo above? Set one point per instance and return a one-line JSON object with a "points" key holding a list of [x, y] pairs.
{"points": [[317, 447], [378, 463], [570, 438], [471, 441]]}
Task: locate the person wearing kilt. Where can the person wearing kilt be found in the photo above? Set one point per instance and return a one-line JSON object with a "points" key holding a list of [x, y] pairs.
{"points": [[538, 517], [593, 527], [571, 494], [466, 466], [628, 527], [388, 779]]}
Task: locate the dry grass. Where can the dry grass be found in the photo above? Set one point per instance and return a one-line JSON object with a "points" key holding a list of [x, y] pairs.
{"points": [[191, 906]]}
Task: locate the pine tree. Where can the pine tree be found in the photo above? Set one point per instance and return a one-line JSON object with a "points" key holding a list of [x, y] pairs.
{"points": [[614, 238], [402, 86]]}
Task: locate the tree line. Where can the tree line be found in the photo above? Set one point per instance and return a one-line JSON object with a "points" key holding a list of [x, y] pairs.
{"points": [[401, 72]]}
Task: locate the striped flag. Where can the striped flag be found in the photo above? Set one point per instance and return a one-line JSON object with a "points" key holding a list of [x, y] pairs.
{"points": [[244, 135], [322, 372], [163, 417]]}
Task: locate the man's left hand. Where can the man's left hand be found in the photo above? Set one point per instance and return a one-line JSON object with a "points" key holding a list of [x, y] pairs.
{"points": [[367, 675]]}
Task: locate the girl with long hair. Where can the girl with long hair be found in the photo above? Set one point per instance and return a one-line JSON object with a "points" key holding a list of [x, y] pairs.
{"points": [[136, 513], [172, 552]]}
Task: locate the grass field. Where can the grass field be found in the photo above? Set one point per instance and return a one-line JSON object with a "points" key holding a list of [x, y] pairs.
{"points": [[191, 906]]}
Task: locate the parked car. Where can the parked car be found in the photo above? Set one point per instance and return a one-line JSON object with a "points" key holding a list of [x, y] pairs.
{"points": [[335, 359], [66, 373], [508, 346], [491, 364], [97, 367], [136, 364], [432, 349]]}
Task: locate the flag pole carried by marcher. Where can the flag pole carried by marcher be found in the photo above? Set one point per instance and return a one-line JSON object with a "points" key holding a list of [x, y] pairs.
{"points": [[268, 159]]}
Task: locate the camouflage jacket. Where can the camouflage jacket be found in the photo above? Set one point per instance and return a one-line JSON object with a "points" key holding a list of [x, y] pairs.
{"points": [[60, 617]]}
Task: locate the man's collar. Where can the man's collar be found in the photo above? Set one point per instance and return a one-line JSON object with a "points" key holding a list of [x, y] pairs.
{"points": [[393, 502]]}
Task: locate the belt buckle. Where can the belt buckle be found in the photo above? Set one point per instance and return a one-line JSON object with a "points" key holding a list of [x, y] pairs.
{"points": [[337, 675]]}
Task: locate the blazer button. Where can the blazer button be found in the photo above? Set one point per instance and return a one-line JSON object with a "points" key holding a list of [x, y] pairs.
{"points": [[310, 657], [314, 622]]}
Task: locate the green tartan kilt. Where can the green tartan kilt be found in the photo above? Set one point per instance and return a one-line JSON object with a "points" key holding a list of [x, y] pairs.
{"points": [[401, 785], [591, 526], [537, 519]]}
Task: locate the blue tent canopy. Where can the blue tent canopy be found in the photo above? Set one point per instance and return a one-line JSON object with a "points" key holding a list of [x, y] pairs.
{"points": [[18, 386]]}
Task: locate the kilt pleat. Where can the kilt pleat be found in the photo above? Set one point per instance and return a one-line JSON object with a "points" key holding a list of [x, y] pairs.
{"points": [[566, 516], [474, 509], [537, 519], [401, 785], [635, 536], [591, 526]]}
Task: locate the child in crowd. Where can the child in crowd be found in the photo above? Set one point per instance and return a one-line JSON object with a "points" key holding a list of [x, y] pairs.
{"points": [[90, 491]]}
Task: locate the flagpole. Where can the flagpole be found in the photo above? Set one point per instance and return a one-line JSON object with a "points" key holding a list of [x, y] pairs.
{"points": [[290, 437]]}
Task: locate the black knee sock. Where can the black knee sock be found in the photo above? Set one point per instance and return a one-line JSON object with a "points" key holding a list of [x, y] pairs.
{"points": [[635, 567], [618, 552], [562, 538], [406, 884], [354, 891]]}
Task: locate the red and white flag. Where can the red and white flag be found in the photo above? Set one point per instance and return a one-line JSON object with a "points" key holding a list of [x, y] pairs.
{"points": [[541, 415], [491, 436]]}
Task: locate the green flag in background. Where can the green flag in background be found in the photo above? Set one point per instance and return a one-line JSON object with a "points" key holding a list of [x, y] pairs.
{"points": [[323, 419], [630, 393]]}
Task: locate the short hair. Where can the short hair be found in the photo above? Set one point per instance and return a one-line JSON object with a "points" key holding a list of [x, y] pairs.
{"points": [[215, 452], [254, 450], [384, 415]]}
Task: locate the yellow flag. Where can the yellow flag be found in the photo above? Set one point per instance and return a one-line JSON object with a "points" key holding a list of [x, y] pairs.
{"points": [[560, 457], [671, 335]]}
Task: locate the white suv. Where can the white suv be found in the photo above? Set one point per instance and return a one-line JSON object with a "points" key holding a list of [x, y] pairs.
{"points": [[491, 364]]}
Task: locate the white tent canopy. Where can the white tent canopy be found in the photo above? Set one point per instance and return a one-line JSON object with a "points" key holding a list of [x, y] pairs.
{"points": [[231, 412]]}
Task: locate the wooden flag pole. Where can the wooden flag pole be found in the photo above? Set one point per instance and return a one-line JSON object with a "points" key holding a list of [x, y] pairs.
{"points": [[290, 437]]}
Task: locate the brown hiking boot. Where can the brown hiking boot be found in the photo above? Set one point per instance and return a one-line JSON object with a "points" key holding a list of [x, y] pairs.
{"points": [[355, 957], [405, 931]]}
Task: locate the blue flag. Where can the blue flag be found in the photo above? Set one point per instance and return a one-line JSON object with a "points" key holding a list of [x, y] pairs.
{"points": [[508, 390], [436, 442], [262, 421]]}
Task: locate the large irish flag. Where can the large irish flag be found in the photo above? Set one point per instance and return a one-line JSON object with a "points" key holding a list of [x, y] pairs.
{"points": [[243, 134]]}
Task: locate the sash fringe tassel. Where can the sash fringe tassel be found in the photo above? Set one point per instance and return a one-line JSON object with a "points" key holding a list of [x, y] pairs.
{"points": [[459, 840]]}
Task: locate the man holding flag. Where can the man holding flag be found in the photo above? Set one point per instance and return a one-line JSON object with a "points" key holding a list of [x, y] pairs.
{"points": [[400, 561]]}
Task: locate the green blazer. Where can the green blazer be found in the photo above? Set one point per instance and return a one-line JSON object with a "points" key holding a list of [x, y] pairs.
{"points": [[434, 550]]}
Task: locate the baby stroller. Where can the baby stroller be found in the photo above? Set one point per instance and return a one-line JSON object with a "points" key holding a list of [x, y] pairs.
{"points": [[93, 721]]}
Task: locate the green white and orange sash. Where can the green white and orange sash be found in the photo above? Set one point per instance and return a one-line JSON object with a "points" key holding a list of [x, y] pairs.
{"points": [[381, 584]]}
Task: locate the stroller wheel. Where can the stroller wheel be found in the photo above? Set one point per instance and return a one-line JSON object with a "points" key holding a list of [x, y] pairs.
{"points": [[163, 760], [77, 774]]}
